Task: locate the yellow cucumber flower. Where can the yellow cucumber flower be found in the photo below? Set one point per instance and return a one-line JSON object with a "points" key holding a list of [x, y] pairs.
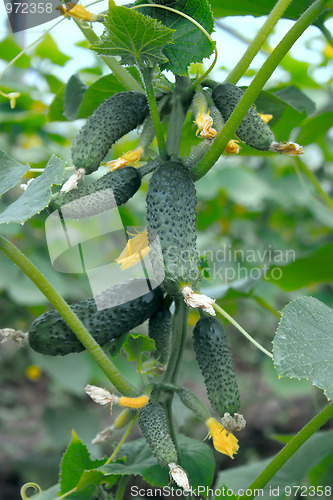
{"points": [[76, 11], [265, 118], [136, 249], [204, 122], [131, 157], [224, 442]]}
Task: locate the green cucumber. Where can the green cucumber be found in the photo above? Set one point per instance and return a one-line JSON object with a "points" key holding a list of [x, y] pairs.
{"points": [[50, 334], [252, 130], [154, 426], [159, 329], [213, 355], [193, 403], [111, 190], [114, 118], [171, 214]]}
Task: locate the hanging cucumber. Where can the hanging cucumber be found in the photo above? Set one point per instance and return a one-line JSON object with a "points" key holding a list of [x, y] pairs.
{"points": [[171, 214], [159, 329], [252, 130], [114, 118], [50, 334], [213, 355], [154, 426], [111, 190]]}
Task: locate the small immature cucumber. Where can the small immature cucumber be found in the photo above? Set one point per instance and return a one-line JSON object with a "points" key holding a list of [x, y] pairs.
{"points": [[193, 403], [114, 118], [154, 426], [159, 329], [50, 334], [214, 358], [111, 190], [252, 130], [171, 213]]}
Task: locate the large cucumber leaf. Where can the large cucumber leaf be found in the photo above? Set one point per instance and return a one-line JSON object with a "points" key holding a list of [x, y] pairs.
{"points": [[136, 38], [303, 344], [38, 194]]}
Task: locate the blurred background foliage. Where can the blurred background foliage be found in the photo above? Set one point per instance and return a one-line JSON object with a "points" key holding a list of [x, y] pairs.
{"points": [[249, 203]]}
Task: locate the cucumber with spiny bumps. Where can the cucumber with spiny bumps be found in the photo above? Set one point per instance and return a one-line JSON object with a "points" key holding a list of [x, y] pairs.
{"points": [[252, 130], [50, 334], [114, 118], [159, 329], [154, 426], [111, 190], [171, 215], [213, 355]]}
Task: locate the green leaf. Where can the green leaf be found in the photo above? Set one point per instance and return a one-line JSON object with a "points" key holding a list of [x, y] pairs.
{"points": [[190, 43], [137, 343], [101, 89], [73, 95], [55, 113], [315, 128], [196, 458], [75, 462], [11, 172], [303, 343], [38, 194], [138, 459], [314, 268], [138, 39], [47, 49], [310, 454], [257, 8], [9, 50], [49, 494], [296, 99]]}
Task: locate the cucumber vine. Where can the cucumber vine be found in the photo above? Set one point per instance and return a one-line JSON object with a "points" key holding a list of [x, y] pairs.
{"points": [[151, 37]]}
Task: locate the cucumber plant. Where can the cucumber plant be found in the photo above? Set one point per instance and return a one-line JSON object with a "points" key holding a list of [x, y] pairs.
{"points": [[182, 126]]}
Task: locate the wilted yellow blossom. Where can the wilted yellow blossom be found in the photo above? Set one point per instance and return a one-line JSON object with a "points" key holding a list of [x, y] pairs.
{"points": [[131, 157], [232, 148], [204, 122], [224, 442], [75, 11], [288, 148], [136, 249], [135, 403]]}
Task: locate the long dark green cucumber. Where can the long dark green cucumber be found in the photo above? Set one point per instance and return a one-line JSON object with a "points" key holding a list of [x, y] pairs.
{"points": [[114, 118], [252, 130], [214, 358], [111, 190], [159, 329], [50, 334], [154, 426], [171, 214]]}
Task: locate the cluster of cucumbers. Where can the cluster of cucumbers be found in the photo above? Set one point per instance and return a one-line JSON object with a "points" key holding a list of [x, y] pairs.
{"points": [[171, 217]]}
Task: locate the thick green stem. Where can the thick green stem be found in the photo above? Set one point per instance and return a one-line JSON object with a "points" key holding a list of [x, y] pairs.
{"points": [[119, 72], [258, 41], [148, 83], [288, 451], [255, 88], [69, 316]]}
